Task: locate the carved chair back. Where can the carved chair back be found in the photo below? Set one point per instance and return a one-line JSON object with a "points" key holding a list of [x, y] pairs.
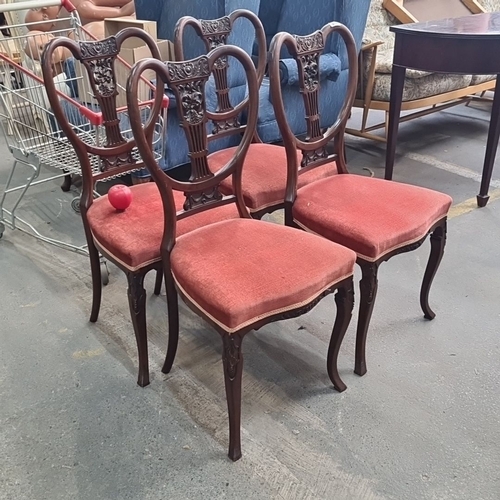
{"points": [[188, 80], [306, 50], [215, 33], [103, 151]]}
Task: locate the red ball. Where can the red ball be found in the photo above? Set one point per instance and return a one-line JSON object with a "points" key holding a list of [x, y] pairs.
{"points": [[120, 196]]}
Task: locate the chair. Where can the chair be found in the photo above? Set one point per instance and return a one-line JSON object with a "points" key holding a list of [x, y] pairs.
{"points": [[376, 218], [257, 172], [238, 274], [131, 238], [264, 182]]}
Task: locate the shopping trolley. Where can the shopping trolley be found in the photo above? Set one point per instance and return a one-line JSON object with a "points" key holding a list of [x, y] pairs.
{"points": [[30, 129]]}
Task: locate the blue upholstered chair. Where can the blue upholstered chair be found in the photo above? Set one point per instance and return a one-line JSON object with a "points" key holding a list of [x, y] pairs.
{"points": [[302, 17], [294, 16], [166, 13]]}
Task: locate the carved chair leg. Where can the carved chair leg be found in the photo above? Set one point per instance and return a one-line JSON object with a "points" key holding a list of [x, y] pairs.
{"points": [[173, 323], [95, 268], [158, 281], [256, 215], [232, 360], [368, 292], [438, 241], [137, 304], [344, 299], [66, 185]]}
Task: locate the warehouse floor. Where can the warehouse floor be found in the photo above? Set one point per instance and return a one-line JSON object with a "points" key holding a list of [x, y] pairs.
{"points": [[424, 423]]}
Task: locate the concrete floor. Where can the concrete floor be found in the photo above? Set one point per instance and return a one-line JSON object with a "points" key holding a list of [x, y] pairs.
{"points": [[424, 423]]}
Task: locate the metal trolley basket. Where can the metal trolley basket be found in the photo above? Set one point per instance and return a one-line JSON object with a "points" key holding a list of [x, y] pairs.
{"points": [[32, 134]]}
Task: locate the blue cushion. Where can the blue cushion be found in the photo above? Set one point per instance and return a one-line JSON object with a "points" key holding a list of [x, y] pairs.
{"points": [[329, 67], [303, 17]]}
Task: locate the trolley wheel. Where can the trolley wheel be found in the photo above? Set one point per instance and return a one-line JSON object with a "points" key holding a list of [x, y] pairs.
{"points": [[104, 273], [75, 205], [2, 229]]}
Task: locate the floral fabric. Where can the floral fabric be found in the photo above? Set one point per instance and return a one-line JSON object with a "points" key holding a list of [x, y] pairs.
{"points": [[418, 84]]}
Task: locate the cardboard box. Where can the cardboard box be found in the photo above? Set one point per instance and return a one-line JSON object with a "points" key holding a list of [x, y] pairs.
{"points": [[114, 26], [10, 48], [133, 50], [131, 56]]}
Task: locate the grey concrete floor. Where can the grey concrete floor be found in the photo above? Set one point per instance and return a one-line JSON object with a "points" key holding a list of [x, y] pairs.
{"points": [[424, 423]]}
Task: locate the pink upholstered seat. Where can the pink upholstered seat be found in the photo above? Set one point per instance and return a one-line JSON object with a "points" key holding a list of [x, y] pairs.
{"points": [[134, 236], [370, 216], [211, 267], [264, 174]]}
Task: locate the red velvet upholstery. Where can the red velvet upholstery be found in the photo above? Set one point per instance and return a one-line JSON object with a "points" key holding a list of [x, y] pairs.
{"points": [[133, 236], [264, 174], [240, 271], [370, 216]]}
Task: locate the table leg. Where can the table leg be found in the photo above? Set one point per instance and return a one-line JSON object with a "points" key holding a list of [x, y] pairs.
{"points": [[491, 148], [397, 84]]}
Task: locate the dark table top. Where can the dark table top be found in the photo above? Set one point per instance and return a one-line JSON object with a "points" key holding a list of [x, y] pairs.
{"points": [[468, 27]]}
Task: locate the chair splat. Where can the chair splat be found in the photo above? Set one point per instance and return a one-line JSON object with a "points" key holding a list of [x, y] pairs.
{"points": [[99, 59]]}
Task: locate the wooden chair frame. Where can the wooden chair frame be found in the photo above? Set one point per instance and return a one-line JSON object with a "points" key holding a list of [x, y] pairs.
{"points": [[214, 33], [306, 50], [116, 157], [187, 79]]}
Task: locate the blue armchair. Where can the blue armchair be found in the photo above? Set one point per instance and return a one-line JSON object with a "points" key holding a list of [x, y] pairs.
{"points": [[302, 17], [166, 13]]}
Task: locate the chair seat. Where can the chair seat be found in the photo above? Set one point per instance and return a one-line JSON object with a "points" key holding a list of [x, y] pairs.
{"points": [[371, 216], [241, 271], [264, 174], [133, 237]]}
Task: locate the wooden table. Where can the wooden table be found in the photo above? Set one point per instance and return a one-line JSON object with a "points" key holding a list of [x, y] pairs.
{"points": [[463, 45]]}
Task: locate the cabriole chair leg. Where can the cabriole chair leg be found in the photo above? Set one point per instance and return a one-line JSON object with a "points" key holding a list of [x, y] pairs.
{"points": [[438, 242], [368, 291], [137, 303], [232, 360], [344, 299], [173, 323]]}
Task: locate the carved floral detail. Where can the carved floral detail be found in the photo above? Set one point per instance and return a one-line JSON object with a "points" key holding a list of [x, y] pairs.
{"points": [[137, 293], [216, 40], [310, 43], [222, 126], [310, 70], [190, 70], [303, 310], [99, 57], [103, 75], [231, 356], [103, 48], [189, 79], [215, 26], [344, 296], [215, 33], [309, 157], [194, 200], [111, 162], [221, 63], [191, 97], [369, 281]]}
